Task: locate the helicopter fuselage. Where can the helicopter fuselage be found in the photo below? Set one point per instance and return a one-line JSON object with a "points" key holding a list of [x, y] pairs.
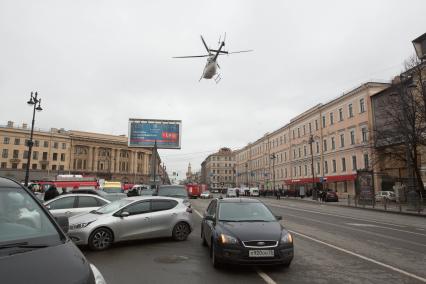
{"points": [[210, 69]]}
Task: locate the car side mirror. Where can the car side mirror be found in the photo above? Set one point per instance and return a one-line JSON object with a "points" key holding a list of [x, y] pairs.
{"points": [[63, 223], [279, 217], [48, 206], [124, 214], [210, 218]]}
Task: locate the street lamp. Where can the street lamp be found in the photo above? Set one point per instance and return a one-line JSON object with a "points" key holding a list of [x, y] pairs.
{"points": [[314, 193], [273, 157], [247, 175], [34, 100]]}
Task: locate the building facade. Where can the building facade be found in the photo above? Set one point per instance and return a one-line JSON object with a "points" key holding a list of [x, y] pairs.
{"points": [[218, 170], [60, 151], [331, 138]]}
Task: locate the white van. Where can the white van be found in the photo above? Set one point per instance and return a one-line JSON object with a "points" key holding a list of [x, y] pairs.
{"points": [[231, 192], [254, 191]]}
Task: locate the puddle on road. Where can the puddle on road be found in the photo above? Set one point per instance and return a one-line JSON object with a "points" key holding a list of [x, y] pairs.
{"points": [[171, 259]]}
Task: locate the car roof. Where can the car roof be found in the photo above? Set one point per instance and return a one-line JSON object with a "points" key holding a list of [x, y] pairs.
{"points": [[78, 195], [7, 182], [135, 198], [236, 200]]}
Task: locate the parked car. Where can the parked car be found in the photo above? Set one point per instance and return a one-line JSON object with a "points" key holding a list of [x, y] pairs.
{"points": [[254, 191], [206, 194], [108, 196], [230, 228], [139, 217], [30, 251], [177, 191], [231, 192], [73, 204], [388, 195], [331, 195]]}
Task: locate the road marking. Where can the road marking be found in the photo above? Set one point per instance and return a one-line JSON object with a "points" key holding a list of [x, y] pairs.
{"points": [[383, 227], [262, 274], [361, 225], [265, 277], [406, 273]]}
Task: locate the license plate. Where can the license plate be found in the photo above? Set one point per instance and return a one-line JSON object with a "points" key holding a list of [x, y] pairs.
{"points": [[261, 253]]}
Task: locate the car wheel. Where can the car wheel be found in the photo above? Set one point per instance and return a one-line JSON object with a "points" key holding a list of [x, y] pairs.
{"points": [[215, 261], [181, 231], [100, 239]]}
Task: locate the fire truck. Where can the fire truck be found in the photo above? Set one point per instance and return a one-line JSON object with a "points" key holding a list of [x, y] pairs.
{"points": [[194, 190], [69, 182]]}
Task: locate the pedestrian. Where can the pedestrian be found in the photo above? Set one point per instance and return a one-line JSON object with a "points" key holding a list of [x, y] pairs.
{"points": [[278, 193], [64, 191], [237, 192], [51, 193]]}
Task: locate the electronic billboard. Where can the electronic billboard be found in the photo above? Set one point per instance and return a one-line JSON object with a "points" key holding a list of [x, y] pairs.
{"points": [[145, 132]]}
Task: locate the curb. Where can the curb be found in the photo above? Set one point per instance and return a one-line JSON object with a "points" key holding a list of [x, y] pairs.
{"points": [[353, 207]]}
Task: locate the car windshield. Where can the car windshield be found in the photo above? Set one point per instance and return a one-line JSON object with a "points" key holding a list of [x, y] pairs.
{"points": [[113, 190], [113, 206], [245, 212], [23, 220], [173, 192]]}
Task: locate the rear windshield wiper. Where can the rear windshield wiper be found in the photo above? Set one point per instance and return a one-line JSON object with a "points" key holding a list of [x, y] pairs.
{"points": [[23, 245]]}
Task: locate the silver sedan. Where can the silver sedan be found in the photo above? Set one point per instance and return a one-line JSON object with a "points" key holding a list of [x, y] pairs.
{"points": [[74, 204], [139, 217]]}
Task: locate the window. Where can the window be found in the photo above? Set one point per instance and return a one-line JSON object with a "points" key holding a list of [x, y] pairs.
{"points": [[62, 203], [55, 156], [15, 154], [316, 124], [138, 208], [34, 166], [352, 137], [340, 114], [342, 140], [25, 156], [343, 165], [64, 146], [304, 150], [318, 168], [366, 161], [333, 143], [323, 121], [55, 145], [17, 141], [35, 155], [304, 130], [211, 210], [325, 167], [160, 205], [6, 140], [331, 118], [364, 134], [36, 143], [310, 127], [293, 134], [53, 167], [325, 145], [5, 153], [3, 165], [62, 157], [299, 152], [317, 144], [14, 165], [306, 170], [334, 165], [361, 106], [298, 132], [43, 167], [89, 201], [351, 114], [46, 144], [61, 167], [354, 166], [300, 170], [44, 156]]}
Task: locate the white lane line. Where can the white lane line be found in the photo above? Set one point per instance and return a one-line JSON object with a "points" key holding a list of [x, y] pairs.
{"points": [[348, 217], [262, 274], [406, 273], [265, 277]]}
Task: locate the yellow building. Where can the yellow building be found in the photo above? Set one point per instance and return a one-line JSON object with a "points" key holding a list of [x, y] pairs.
{"points": [[60, 151]]}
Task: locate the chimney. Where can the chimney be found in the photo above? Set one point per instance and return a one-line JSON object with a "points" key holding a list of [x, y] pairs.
{"points": [[10, 123], [24, 125]]}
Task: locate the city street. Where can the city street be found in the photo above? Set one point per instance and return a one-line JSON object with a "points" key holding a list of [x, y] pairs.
{"points": [[332, 245]]}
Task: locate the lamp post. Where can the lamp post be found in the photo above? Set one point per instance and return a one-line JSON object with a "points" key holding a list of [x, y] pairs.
{"points": [[273, 157], [314, 191], [247, 175], [34, 100]]}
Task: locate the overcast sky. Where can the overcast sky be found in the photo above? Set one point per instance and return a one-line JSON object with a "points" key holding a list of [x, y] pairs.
{"points": [[97, 63]]}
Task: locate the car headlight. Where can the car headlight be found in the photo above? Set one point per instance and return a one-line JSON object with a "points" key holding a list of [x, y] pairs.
{"points": [[80, 225], [227, 240], [287, 238], [99, 279]]}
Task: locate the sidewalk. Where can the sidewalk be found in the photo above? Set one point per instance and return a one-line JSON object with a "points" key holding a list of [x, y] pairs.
{"points": [[391, 207]]}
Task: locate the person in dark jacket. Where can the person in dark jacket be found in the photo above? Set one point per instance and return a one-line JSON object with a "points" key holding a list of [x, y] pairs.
{"points": [[51, 193]]}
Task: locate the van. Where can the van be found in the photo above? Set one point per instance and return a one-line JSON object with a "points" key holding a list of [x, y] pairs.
{"points": [[30, 237], [254, 191], [231, 192]]}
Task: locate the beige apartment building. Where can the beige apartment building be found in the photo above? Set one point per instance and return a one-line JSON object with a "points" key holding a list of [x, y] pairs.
{"points": [[60, 151], [217, 170], [338, 132]]}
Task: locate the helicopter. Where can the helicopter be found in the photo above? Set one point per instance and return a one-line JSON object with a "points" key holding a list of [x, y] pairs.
{"points": [[211, 67]]}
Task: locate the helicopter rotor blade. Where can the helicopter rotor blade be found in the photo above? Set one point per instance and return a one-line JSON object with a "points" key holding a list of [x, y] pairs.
{"points": [[191, 56], [205, 44], [240, 51]]}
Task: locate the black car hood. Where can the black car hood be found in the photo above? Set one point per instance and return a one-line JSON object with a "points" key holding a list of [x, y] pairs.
{"points": [[250, 231], [63, 263]]}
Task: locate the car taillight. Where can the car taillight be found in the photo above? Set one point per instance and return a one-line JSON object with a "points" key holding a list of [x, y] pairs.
{"points": [[189, 209]]}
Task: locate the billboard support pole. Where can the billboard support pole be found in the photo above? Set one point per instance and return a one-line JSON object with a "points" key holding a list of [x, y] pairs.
{"points": [[154, 160]]}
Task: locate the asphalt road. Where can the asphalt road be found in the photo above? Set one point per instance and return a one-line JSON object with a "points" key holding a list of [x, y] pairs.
{"points": [[332, 245]]}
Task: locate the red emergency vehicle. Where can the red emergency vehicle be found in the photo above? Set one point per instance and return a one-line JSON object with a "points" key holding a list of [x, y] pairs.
{"points": [[194, 190], [70, 183]]}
